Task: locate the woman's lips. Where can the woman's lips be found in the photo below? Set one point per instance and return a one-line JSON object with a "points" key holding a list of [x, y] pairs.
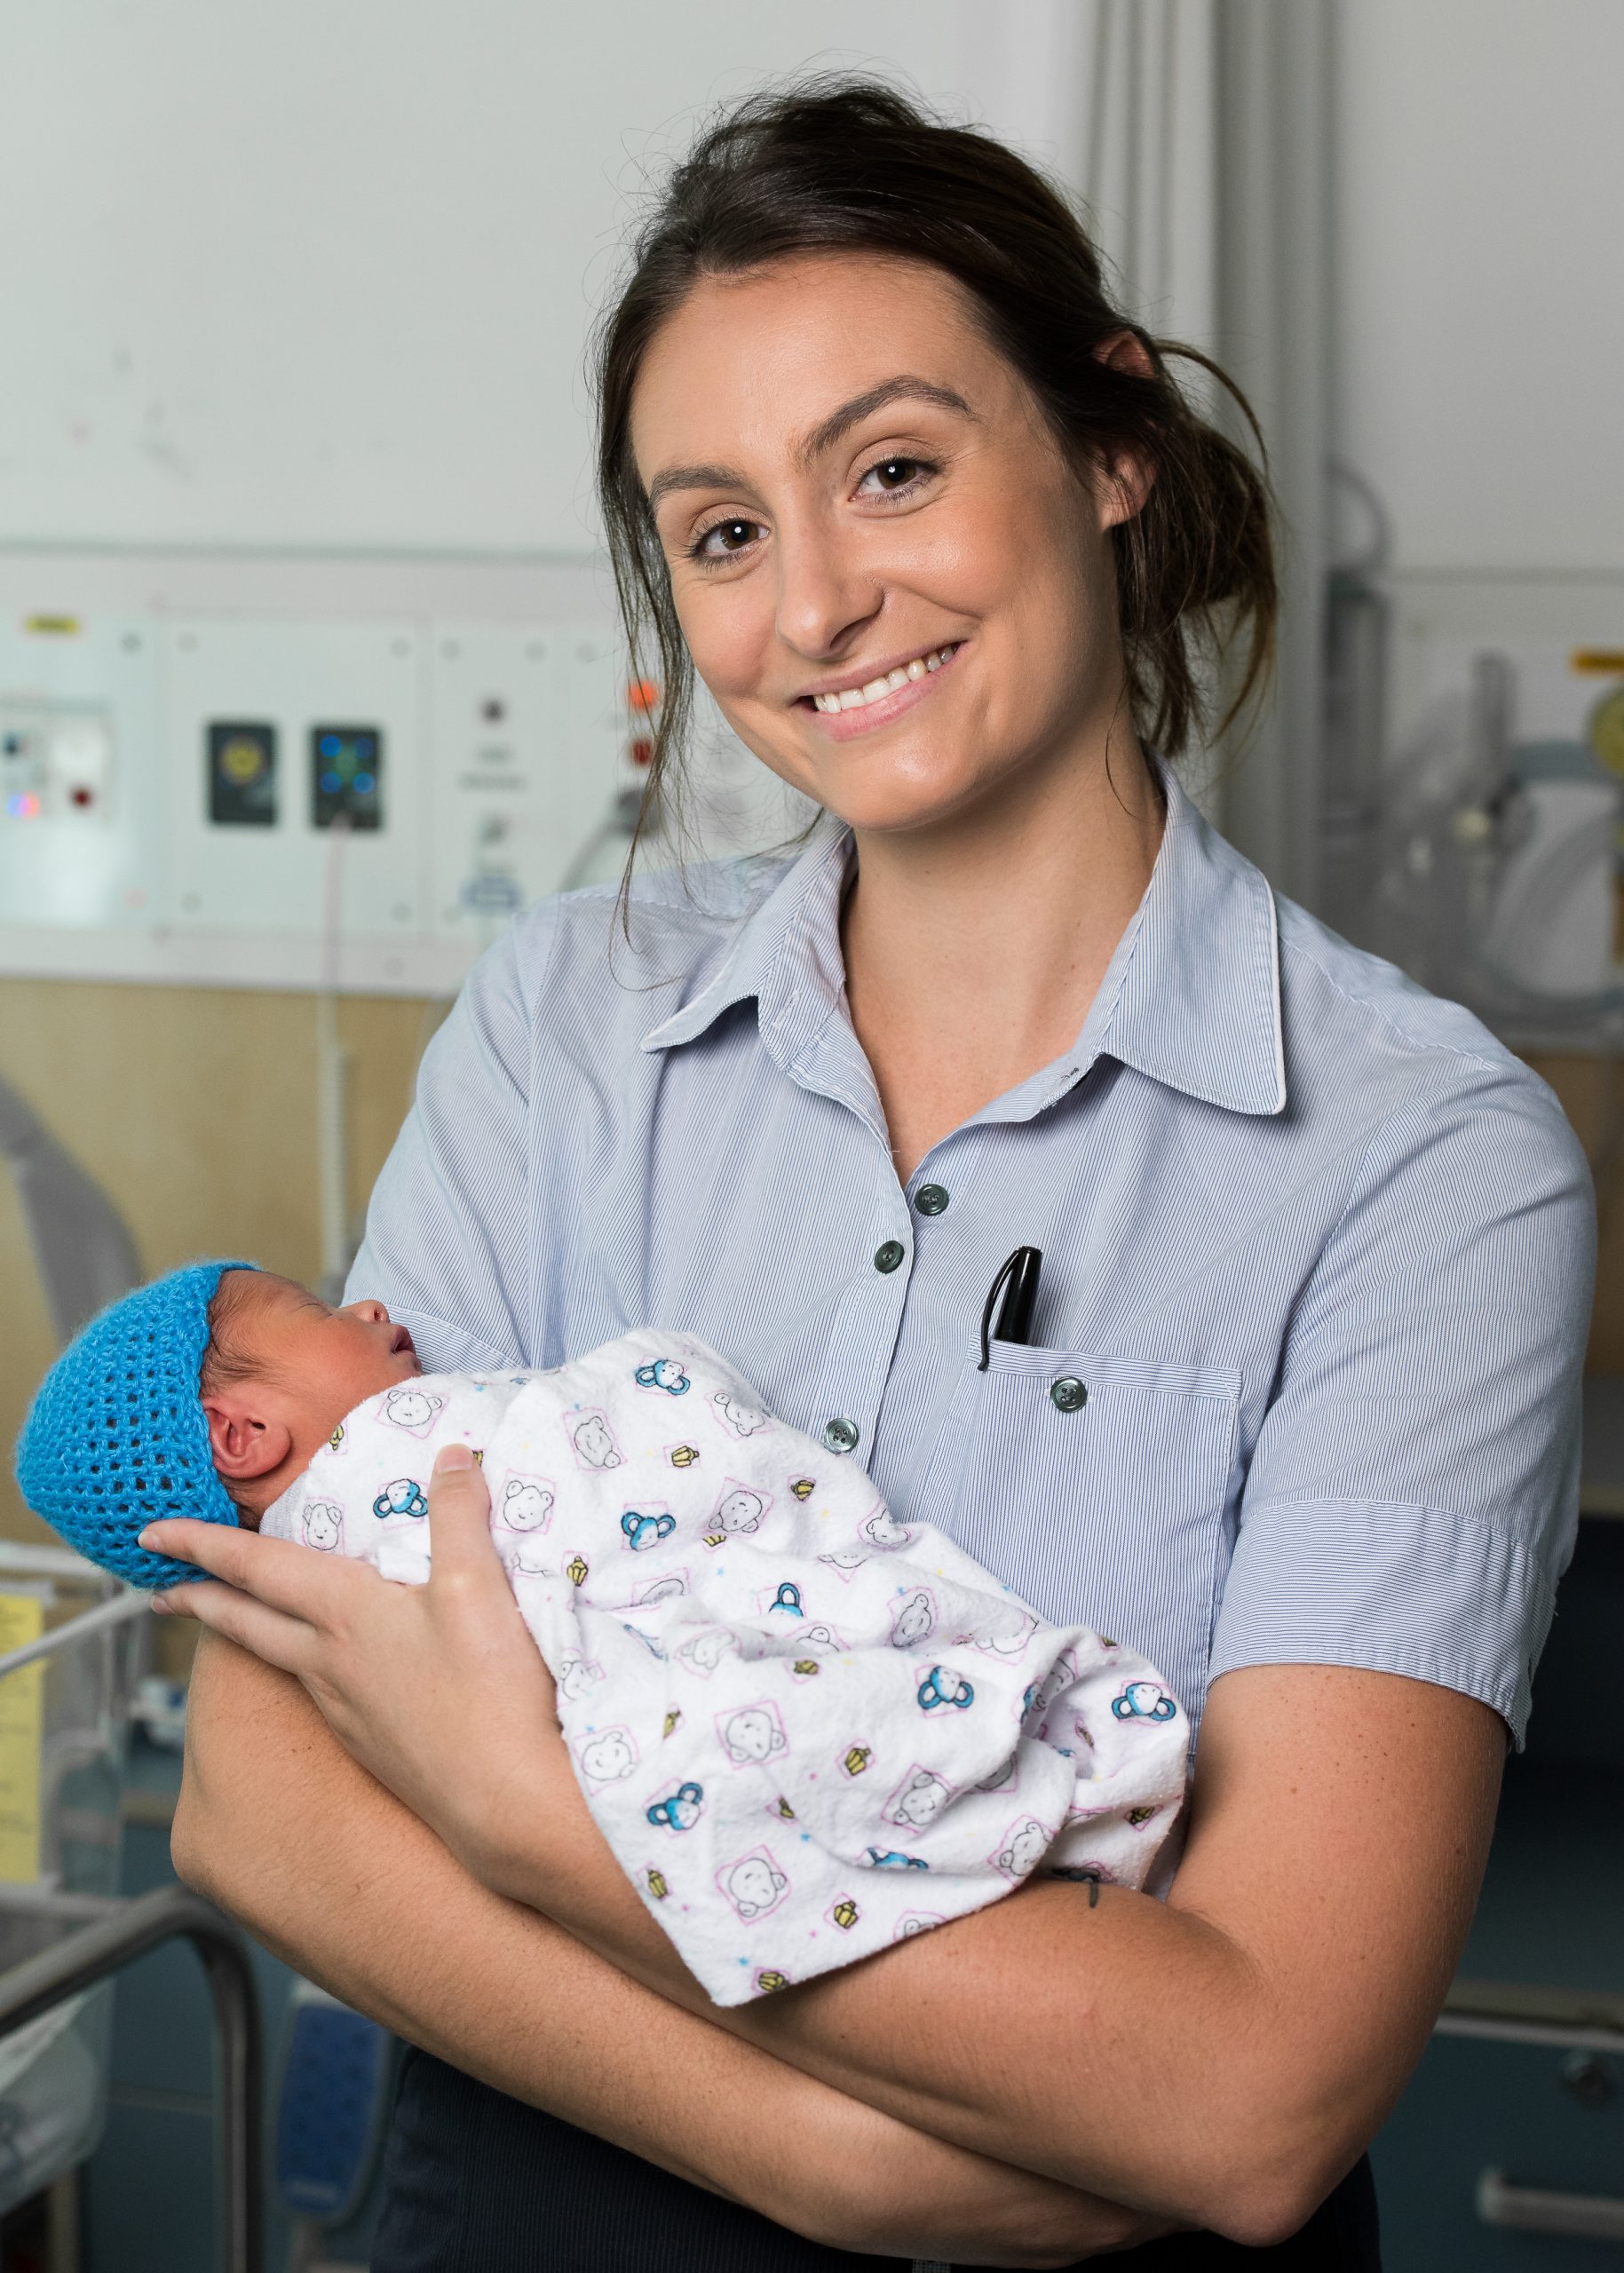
{"points": [[846, 726]]}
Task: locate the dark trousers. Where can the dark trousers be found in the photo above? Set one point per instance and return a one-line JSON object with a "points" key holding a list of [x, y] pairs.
{"points": [[475, 2182]]}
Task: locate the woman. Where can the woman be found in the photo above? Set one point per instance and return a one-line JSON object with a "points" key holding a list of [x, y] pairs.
{"points": [[944, 541]]}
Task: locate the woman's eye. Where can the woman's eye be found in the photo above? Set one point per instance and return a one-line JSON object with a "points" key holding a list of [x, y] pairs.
{"points": [[736, 536], [898, 475]]}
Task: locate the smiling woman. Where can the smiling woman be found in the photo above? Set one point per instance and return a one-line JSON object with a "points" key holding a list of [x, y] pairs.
{"points": [[883, 468], [1033, 397]]}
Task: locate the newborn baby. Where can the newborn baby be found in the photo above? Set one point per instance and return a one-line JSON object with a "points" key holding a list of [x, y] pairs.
{"points": [[806, 1730]]}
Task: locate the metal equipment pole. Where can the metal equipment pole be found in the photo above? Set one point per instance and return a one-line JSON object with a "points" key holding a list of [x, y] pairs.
{"points": [[128, 1932]]}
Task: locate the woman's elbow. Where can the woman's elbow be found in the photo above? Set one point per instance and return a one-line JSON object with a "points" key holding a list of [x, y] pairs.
{"points": [[1269, 2172], [201, 1854], [1253, 2170], [1261, 2210]]}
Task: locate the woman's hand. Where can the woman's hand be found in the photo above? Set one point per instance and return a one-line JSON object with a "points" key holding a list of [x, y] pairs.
{"points": [[437, 1689]]}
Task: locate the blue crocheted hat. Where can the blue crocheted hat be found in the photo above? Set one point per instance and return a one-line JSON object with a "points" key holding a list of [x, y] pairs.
{"points": [[116, 1437]]}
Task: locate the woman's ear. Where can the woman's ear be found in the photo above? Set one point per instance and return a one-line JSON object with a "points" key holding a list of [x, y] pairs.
{"points": [[1127, 476], [1125, 350], [245, 1442]]}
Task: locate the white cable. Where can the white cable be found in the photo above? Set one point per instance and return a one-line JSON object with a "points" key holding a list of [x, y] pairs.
{"points": [[332, 1079]]}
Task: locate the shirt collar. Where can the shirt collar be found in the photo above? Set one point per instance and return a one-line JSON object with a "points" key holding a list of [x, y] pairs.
{"points": [[1191, 997], [786, 954]]}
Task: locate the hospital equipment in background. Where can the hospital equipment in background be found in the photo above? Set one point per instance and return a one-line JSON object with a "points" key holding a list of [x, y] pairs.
{"points": [[1496, 870], [82, 1246], [1472, 803], [336, 2073], [334, 775], [339, 776], [73, 1646], [70, 1655], [1472, 792], [69, 1649]]}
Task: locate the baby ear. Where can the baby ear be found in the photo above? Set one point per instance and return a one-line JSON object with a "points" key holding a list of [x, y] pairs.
{"points": [[243, 1447]]}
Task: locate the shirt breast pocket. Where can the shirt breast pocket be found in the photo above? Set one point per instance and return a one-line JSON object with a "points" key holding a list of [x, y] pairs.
{"points": [[1096, 1488]]}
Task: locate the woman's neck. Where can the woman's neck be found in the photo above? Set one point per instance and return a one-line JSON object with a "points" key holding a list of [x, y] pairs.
{"points": [[972, 953]]}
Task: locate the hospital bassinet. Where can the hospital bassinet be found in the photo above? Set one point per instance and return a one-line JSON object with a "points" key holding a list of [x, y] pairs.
{"points": [[64, 1721]]}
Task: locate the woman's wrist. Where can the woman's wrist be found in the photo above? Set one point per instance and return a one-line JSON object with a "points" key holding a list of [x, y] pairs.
{"points": [[537, 1844]]}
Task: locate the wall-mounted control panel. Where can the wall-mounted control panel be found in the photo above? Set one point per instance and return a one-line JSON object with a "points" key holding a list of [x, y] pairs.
{"points": [[241, 756], [281, 797]]}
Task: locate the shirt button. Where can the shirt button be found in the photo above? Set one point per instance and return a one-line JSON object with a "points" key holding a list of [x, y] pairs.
{"points": [[931, 1199], [1068, 1392], [887, 1257], [841, 1435]]}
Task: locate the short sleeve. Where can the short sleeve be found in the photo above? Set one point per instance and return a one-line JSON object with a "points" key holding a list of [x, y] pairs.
{"points": [[447, 1245], [1413, 1494]]}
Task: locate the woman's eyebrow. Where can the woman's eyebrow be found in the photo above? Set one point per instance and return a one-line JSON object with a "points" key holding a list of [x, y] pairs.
{"points": [[822, 437]]}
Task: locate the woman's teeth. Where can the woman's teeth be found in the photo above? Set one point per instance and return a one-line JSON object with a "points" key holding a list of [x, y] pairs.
{"points": [[853, 698]]}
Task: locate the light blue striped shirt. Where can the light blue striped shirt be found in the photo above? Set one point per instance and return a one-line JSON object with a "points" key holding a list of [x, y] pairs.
{"points": [[1318, 1249]]}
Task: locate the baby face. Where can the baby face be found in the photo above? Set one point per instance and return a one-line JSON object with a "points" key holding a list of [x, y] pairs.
{"points": [[282, 1360], [338, 1357]]}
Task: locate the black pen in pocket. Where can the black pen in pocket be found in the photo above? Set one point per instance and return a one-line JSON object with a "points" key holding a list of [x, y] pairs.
{"points": [[1018, 1282]]}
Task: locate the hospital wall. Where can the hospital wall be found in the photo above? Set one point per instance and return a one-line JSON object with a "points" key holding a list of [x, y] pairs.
{"points": [[299, 276], [304, 275]]}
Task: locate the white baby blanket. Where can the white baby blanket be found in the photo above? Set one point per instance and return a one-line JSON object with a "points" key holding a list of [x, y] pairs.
{"points": [[806, 1730]]}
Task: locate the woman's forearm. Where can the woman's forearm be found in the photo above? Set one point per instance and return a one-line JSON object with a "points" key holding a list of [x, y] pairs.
{"points": [[1220, 2059], [325, 1867], [1010, 2031]]}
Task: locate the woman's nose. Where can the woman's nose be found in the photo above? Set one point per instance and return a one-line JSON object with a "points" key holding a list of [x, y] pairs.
{"points": [[824, 593]]}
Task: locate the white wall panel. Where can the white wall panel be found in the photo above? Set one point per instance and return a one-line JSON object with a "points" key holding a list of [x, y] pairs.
{"points": [[320, 271]]}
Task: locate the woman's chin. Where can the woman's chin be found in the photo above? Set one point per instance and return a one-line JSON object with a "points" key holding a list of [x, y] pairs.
{"points": [[873, 805]]}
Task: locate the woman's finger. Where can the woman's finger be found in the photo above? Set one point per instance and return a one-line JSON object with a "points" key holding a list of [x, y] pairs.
{"points": [[270, 1634], [459, 1513], [275, 1570]]}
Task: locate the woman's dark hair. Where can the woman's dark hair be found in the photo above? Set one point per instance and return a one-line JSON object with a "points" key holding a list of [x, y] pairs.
{"points": [[836, 162]]}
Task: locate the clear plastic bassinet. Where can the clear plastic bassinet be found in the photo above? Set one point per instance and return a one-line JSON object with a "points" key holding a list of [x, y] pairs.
{"points": [[64, 1729]]}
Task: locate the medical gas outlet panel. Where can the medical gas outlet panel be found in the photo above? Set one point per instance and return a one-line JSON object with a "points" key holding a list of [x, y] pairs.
{"points": [[255, 800]]}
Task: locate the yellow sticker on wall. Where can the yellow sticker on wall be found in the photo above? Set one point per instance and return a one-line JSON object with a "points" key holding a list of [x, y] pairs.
{"points": [[22, 1699]]}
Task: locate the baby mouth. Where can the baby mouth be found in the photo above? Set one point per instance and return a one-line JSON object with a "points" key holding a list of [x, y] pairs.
{"points": [[875, 690]]}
